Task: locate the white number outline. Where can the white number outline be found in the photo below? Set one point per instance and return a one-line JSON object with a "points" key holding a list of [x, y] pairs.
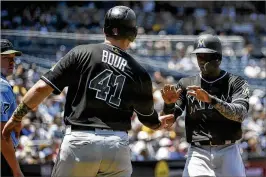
{"points": [[108, 87], [115, 84], [6, 106]]}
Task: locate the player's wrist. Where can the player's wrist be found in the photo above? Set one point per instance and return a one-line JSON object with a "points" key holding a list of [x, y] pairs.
{"points": [[170, 102], [209, 99], [169, 105], [20, 112], [212, 100], [158, 126], [167, 108], [16, 119]]}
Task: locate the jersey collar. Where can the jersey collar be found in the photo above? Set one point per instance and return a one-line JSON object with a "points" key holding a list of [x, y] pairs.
{"points": [[3, 76], [114, 46], [215, 79]]}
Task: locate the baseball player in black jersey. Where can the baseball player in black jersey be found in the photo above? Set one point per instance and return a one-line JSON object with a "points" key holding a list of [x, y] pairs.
{"points": [[215, 103], [105, 86]]}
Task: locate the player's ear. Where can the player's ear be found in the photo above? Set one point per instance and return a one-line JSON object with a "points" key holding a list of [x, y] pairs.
{"points": [[218, 59], [217, 62]]}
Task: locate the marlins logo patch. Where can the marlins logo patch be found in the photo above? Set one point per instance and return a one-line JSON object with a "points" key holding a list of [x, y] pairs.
{"points": [[115, 50], [201, 43]]}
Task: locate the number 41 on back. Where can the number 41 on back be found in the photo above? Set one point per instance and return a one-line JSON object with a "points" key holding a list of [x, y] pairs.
{"points": [[101, 83]]}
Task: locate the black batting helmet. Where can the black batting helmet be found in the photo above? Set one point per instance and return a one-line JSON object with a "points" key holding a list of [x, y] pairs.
{"points": [[208, 43], [120, 22]]}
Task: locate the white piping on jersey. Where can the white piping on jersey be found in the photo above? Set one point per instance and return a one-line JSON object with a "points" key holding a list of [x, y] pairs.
{"points": [[9, 100], [4, 81], [5, 87], [143, 114], [51, 83], [179, 107], [240, 99], [214, 80], [229, 87]]}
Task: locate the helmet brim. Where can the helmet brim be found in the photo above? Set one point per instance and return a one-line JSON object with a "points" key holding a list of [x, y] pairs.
{"points": [[17, 53], [203, 50]]}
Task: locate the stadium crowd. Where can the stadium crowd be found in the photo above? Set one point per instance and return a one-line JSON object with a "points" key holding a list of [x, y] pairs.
{"points": [[43, 128], [172, 18]]}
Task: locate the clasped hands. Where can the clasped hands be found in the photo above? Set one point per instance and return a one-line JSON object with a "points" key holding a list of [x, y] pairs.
{"points": [[170, 94]]}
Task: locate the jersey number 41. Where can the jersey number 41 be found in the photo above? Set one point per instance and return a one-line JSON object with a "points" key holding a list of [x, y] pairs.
{"points": [[102, 84]]}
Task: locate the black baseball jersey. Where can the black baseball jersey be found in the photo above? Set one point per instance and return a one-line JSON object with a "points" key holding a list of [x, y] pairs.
{"points": [[105, 85], [203, 121]]}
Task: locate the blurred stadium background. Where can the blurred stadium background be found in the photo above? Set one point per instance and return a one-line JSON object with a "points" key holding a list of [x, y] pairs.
{"points": [[45, 31]]}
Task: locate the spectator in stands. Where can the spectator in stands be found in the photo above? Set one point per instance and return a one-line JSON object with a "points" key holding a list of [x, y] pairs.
{"points": [[164, 151], [174, 63], [159, 80], [247, 54], [189, 62], [254, 148]]}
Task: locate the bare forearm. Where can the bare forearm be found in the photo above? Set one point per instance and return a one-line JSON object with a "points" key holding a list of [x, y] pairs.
{"points": [[37, 94], [32, 99], [233, 111], [8, 152]]}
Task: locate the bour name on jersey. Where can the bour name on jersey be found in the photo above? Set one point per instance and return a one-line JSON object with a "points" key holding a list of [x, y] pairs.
{"points": [[114, 60]]}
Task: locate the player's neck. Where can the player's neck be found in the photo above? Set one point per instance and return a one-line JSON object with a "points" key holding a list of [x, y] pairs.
{"points": [[212, 75], [122, 44]]}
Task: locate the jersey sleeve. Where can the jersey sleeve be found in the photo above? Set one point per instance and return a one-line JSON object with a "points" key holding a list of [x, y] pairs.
{"points": [[237, 110], [62, 73], [7, 103], [240, 92], [144, 99]]}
